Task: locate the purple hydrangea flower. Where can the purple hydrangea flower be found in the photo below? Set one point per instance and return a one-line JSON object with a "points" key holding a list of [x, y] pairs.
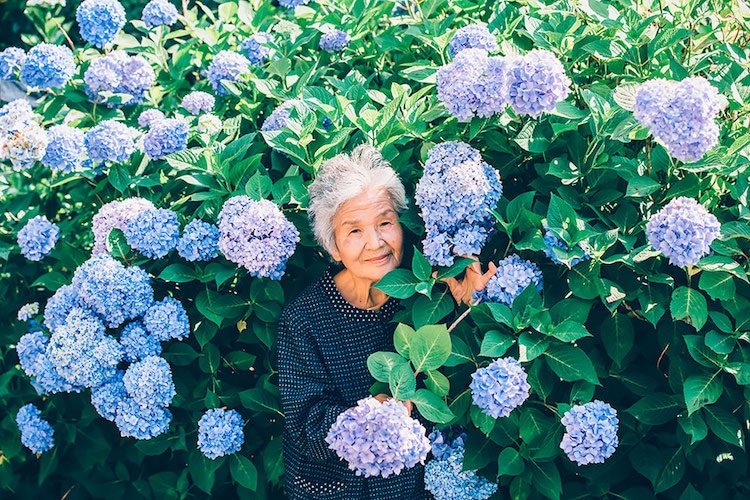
{"points": [[590, 432], [208, 124], [445, 478], [65, 149], [11, 60], [456, 193], [158, 12], [551, 242], [199, 241], [220, 432], [226, 65], [119, 73], [32, 354], [106, 397], [256, 47], [513, 275], [137, 343], [291, 4], [197, 102], [500, 387], [47, 66], [444, 441], [167, 320], [28, 311], [165, 137], [153, 232], [683, 231], [536, 83], [115, 214], [100, 21], [473, 36], [36, 433], [37, 238], [257, 236], [110, 141], [149, 382], [279, 116], [149, 116], [141, 422], [334, 41], [378, 439]]}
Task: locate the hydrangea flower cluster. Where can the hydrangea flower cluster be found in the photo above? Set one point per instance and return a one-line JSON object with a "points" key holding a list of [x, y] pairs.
{"points": [[65, 148], [110, 140], [199, 241], [445, 478], [13, 116], [36, 433], [153, 232], [165, 137], [590, 432], [119, 73], [32, 353], [680, 115], [100, 21], [59, 306], [456, 193], [197, 102], [473, 36], [141, 422], [159, 12], [208, 124], [28, 311], [11, 60], [513, 275], [257, 236], [37, 238], [500, 387], [149, 116], [335, 40], [683, 231], [47, 66], [291, 4], [22, 140], [536, 83], [149, 382], [256, 47], [115, 214], [226, 65], [137, 343], [167, 320], [551, 241], [279, 116], [378, 439], [220, 433]]}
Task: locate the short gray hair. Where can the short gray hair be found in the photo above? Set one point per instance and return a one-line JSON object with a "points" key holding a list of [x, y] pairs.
{"points": [[342, 178]]}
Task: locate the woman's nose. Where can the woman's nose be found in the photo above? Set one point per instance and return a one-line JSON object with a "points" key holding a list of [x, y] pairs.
{"points": [[374, 238]]}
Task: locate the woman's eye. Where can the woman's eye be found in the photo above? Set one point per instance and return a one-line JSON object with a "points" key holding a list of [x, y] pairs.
{"points": [[386, 223], [354, 231]]}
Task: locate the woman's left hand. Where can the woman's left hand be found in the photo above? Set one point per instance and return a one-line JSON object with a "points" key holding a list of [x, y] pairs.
{"points": [[474, 281]]}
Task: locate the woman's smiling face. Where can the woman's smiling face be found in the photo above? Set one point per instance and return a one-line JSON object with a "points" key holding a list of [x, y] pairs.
{"points": [[368, 235]]}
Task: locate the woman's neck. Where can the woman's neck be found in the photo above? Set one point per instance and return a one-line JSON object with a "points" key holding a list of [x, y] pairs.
{"points": [[359, 292]]}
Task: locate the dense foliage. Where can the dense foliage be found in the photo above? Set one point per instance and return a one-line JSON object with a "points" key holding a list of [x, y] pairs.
{"points": [[154, 206]]}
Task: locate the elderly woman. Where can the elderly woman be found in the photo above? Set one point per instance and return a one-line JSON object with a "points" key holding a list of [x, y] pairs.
{"points": [[329, 330]]}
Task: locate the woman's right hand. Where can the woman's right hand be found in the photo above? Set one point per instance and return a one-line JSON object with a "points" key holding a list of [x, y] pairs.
{"points": [[383, 398]]}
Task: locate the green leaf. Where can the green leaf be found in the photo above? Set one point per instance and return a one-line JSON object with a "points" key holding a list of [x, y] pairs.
{"points": [[531, 345], [560, 216], [701, 390], [547, 479], [459, 264], [722, 263], [689, 305], [571, 364], [570, 331], [426, 311], [180, 354], [693, 426], [202, 470], [460, 353], [178, 273], [437, 383], [657, 408], [51, 281], [258, 186], [117, 245], [381, 363], [243, 471], [664, 468], [430, 347], [718, 285], [216, 306], [653, 303], [725, 425], [236, 149], [420, 266], [740, 370], [720, 343], [432, 407], [617, 336], [258, 399], [402, 339], [399, 283], [583, 280], [119, 177], [640, 187], [481, 420], [501, 313], [702, 354], [510, 463], [495, 344], [402, 382]]}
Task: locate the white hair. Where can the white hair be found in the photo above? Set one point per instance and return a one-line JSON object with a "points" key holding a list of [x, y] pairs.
{"points": [[342, 178]]}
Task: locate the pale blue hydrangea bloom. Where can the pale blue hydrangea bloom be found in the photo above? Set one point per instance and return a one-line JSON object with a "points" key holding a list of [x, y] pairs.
{"points": [[115, 214], [159, 12], [220, 432], [257, 236], [11, 60], [199, 241], [455, 195], [28, 311], [99, 21], [65, 150], [683, 231], [110, 140], [137, 343], [536, 83], [36, 433], [32, 354], [106, 397], [378, 439], [474, 84], [197, 101], [551, 241], [47, 66], [473, 36], [23, 145], [153, 232], [256, 47], [208, 124], [59, 306], [291, 4], [141, 422], [279, 116], [15, 115], [149, 382], [500, 387], [119, 73], [226, 65], [445, 478], [165, 137], [37, 238], [513, 275], [167, 320], [334, 41], [149, 116], [590, 432]]}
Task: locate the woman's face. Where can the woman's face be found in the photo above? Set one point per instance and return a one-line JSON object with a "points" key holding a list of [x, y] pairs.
{"points": [[368, 235]]}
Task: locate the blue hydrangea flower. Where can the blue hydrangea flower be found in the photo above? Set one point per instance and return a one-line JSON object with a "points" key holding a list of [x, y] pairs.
{"points": [[445, 478], [14, 116], [208, 124], [24, 144], [683, 231], [59, 306], [100, 21], [36, 433], [82, 352], [153, 232], [119, 73], [149, 116], [199, 241], [165, 137], [28, 311], [115, 214], [444, 441], [11, 60], [474, 84], [473, 36], [227, 65], [513, 275], [279, 116], [256, 47], [500, 387], [149, 382], [455, 194], [536, 83], [141, 422], [106, 397], [257, 236], [551, 242], [32, 354], [65, 149], [590, 432], [291, 4], [137, 343], [110, 141], [196, 102], [378, 439], [327, 123], [47, 66], [158, 12], [220, 433], [167, 320], [37, 238], [334, 41]]}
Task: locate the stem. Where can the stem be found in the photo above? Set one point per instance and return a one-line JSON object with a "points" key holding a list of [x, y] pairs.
{"points": [[70, 42], [463, 315]]}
